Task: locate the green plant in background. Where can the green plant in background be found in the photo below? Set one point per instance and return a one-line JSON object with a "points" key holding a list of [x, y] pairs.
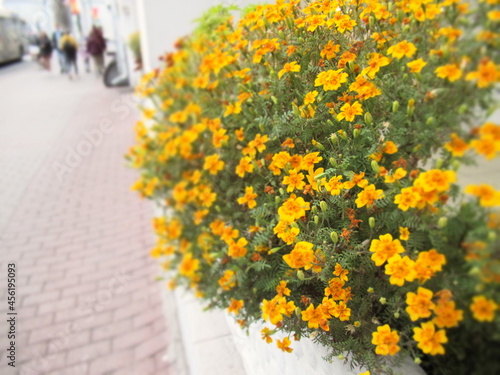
{"points": [[306, 161], [134, 43]]}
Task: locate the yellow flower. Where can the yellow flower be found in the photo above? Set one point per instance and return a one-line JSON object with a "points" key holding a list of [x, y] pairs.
{"points": [[248, 198], [416, 65], [386, 340], [289, 67], [341, 272], [219, 137], [330, 50], [368, 196], [435, 179], [446, 314], [274, 309], [331, 79], [348, 111], [188, 265], [390, 148], [483, 309], [488, 197], [237, 249], [213, 164], [429, 340], [310, 97], [284, 345], [400, 269], [384, 248], [227, 281], [281, 289], [293, 209], [375, 62], [266, 335], [235, 306], [294, 180], [450, 71], [409, 198], [419, 304], [245, 165], [404, 233], [456, 146], [302, 255], [315, 317], [334, 185], [402, 49]]}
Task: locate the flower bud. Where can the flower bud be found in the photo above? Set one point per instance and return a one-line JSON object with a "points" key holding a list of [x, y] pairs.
{"points": [[329, 122], [277, 199], [296, 110], [442, 222], [341, 357], [314, 209], [351, 66], [411, 107], [334, 138], [333, 162], [430, 120], [282, 191], [369, 290], [455, 164], [492, 236], [274, 99], [368, 118], [371, 21], [262, 128], [323, 205], [463, 109], [406, 28], [343, 135], [371, 222], [300, 275], [396, 314], [319, 146], [293, 224], [417, 361], [281, 34], [319, 176], [439, 163], [375, 166], [316, 219], [356, 133], [383, 300], [274, 250], [297, 312], [395, 106], [334, 237]]}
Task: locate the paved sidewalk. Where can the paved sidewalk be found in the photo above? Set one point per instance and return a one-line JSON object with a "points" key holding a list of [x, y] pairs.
{"points": [[86, 298]]}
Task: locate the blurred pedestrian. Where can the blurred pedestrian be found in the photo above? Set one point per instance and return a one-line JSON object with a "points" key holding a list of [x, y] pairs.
{"points": [[96, 45], [56, 42], [69, 47], [45, 53]]}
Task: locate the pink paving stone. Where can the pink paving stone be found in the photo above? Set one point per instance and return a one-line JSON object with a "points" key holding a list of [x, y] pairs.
{"points": [[74, 238]]}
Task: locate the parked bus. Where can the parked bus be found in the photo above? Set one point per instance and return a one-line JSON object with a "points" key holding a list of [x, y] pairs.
{"points": [[12, 37]]}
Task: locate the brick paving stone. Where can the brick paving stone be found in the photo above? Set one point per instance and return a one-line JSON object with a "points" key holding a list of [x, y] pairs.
{"points": [[87, 300]]}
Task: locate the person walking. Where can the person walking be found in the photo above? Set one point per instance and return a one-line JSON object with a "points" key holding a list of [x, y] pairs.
{"points": [[96, 45], [69, 47], [56, 42], [45, 53]]}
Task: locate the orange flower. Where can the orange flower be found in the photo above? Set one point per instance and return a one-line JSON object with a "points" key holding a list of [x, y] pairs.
{"points": [[235, 306], [488, 197], [483, 309], [451, 72], [213, 164], [429, 340], [248, 198], [368, 196], [416, 65], [384, 248], [294, 180], [289, 67], [456, 146], [420, 304], [390, 148], [284, 345], [245, 165], [446, 314], [402, 49], [302, 255], [348, 111], [331, 79], [315, 317], [400, 269], [386, 340]]}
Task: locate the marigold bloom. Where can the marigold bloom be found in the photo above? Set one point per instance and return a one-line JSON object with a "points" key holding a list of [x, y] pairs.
{"points": [[419, 304], [386, 340], [368, 196], [348, 111], [284, 345], [248, 198], [390, 148], [294, 180], [213, 164], [486, 146], [245, 166], [400, 269], [408, 198], [237, 249], [289, 67], [483, 309], [384, 248], [302, 255], [274, 309], [488, 197], [404, 233], [446, 314], [456, 146], [429, 340], [450, 72], [228, 280], [330, 50], [435, 179], [315, 317], [340, 311], [340, 272], [331, 79], [266, 335], [375, 62], [402, 49], [293, 208], [188, 265], [235, 306], [334, 185], [486, 75], [416, 65], [310, 97], [281, 289]]}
